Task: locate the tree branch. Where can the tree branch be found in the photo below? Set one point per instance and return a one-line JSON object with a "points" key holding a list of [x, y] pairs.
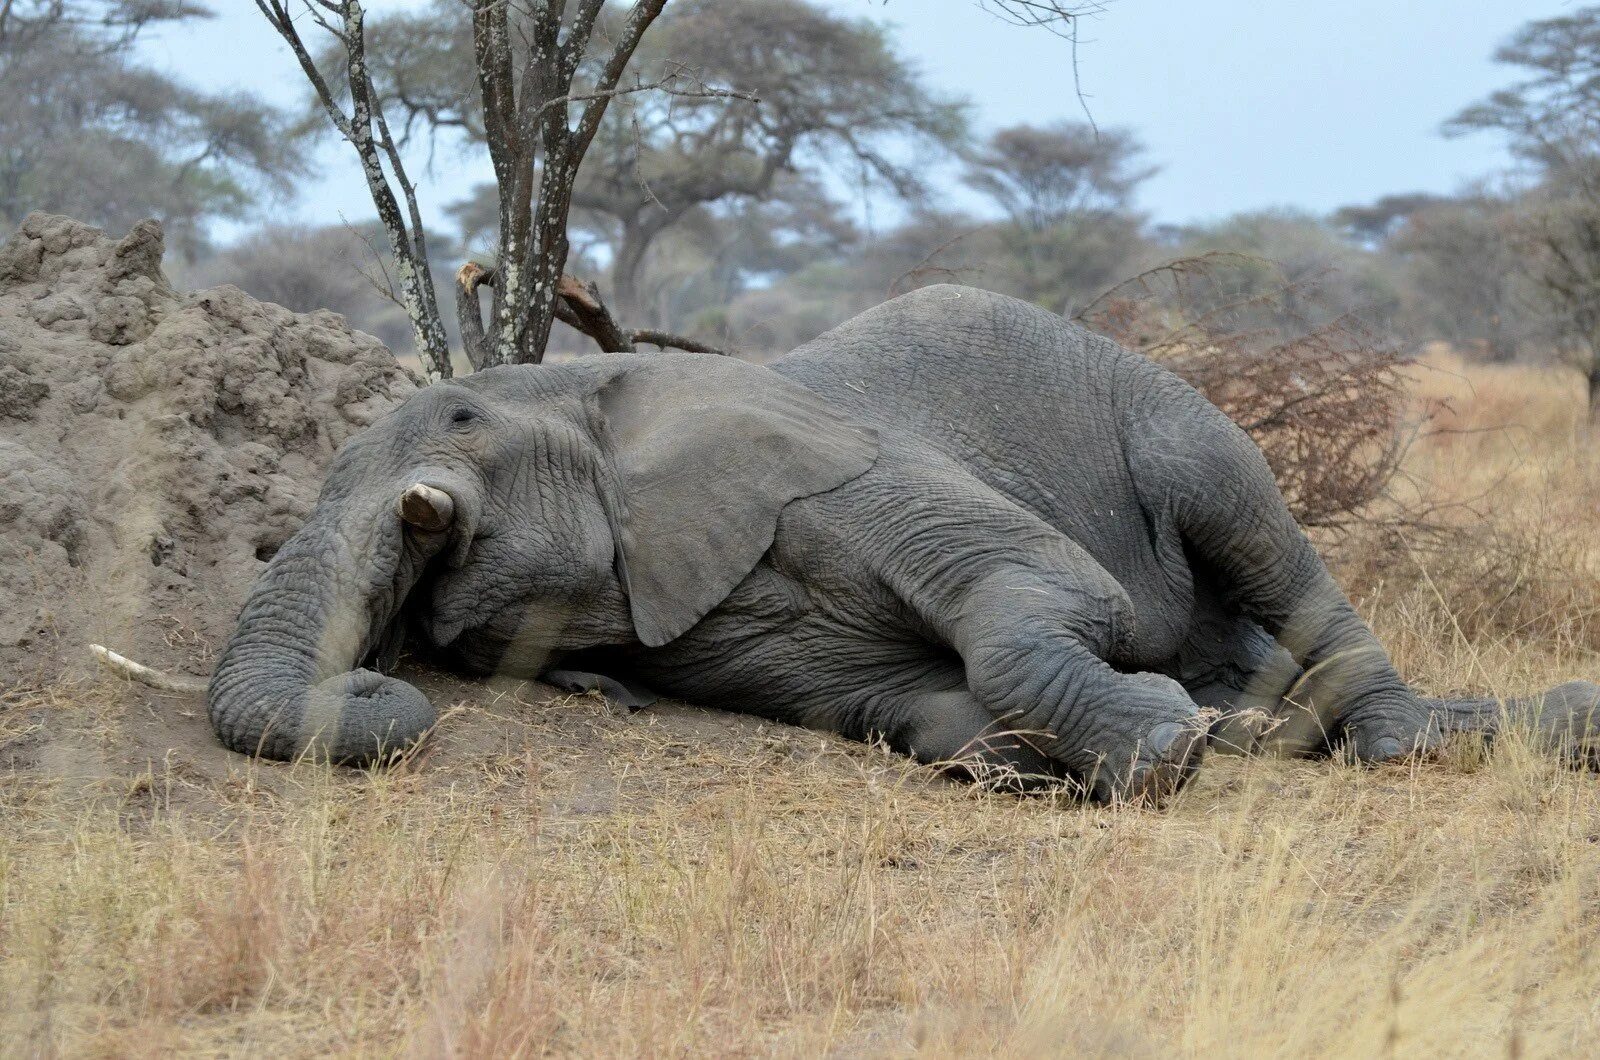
{"points": [[639, 19], [408, 245], [667, 83], [668, 340], [578, 305]]}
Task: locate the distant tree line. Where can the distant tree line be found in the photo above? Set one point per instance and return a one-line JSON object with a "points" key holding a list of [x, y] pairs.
{"points": [[708, 179]]}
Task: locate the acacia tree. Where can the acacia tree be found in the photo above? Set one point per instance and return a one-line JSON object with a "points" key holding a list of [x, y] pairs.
{"points": [[1041, 176], [546, 74], [821, 92], [833, 94], [1065, 191], [1466, 271], [1371, 225], [1551, 119], [88, 130]]}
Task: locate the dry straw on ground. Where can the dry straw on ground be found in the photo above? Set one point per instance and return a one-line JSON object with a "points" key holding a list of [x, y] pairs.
{"points": [[552, 877]]}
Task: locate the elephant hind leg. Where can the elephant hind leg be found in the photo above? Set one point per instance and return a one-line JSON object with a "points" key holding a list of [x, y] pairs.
{"points": [[1565, 719], [1203, 475], [948, 728]]}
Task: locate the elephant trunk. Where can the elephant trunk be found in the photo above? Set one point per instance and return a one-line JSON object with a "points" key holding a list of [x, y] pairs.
{"points": [[287, 682]]}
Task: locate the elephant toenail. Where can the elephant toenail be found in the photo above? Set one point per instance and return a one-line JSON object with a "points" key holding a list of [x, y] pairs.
{"points": [[1387, 748], [1161, 739]]}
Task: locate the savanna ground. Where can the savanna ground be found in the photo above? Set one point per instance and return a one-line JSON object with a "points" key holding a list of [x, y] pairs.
{"points": [[550, 876]]}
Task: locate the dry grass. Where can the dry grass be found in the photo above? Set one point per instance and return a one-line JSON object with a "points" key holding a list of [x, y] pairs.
{"points": [[582, 883]]}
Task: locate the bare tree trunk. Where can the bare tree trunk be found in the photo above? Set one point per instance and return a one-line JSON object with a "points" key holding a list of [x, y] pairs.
{"points": [[1593, 380], [366, 129], [537, 126], [625, 268], [1500, 350]]}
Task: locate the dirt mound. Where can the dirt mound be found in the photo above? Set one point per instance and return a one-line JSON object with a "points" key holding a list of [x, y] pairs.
{"points": [[156, 446]]}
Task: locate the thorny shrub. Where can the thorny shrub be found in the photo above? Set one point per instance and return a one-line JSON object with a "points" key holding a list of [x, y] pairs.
{"points": [[1501, 552], [1322, 395]]}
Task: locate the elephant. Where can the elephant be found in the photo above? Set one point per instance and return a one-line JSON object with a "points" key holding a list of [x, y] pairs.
{"points": [[957, 524]]}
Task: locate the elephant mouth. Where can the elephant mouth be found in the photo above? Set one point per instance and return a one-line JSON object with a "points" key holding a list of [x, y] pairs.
{"points": [[437, 540]]}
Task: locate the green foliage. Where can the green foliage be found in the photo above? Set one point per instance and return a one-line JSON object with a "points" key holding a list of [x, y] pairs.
{"points": [[1043, 177], [1297, 249], [1467, 281]]}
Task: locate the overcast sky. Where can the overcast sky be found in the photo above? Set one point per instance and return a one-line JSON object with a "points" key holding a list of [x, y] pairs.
{"points": [[1244, 104]]}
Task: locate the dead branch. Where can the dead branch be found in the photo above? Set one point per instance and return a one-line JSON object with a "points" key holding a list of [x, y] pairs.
{"points": [[1053, 15], [469, 313], [578, 305], [668, 340], [1065, 20], [929, 266], [383, 288], [670, 83]]}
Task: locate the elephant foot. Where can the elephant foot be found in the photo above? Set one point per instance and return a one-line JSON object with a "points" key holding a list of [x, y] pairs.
{"points": [[1565, 719], [1152, 766], [1379, 740], [1171, 757]]}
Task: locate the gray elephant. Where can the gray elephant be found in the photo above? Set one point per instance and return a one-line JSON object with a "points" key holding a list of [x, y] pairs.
{"points": [[956, 523]]}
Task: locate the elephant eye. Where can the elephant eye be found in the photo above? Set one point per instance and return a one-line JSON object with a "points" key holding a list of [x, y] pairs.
{"points": [[463, 415]]}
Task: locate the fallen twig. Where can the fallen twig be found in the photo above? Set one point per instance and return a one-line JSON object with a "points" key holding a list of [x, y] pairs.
{"points": [[145, 675]]}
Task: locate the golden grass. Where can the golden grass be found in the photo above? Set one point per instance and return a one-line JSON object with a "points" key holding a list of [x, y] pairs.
{"points": [[582, 883]]}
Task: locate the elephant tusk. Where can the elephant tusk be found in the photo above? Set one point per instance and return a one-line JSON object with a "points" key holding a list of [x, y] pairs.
{"points": [[427, 508]]}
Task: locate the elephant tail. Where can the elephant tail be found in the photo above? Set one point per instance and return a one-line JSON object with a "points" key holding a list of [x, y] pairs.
{"points": [[1565, 719]]}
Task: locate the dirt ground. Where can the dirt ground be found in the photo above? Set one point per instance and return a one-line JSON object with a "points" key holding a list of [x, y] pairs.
{"points": [[550, 875]]}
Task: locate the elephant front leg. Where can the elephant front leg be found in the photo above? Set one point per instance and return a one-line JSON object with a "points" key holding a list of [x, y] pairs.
{"points": [[1034, 645], [1034, 618]]}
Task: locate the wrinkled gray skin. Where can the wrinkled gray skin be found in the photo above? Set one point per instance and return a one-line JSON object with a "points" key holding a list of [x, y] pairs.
{"points": [[956, 522]]}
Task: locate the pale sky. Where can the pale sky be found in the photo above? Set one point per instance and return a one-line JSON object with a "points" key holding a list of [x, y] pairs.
{"points": [[1244, 104]]}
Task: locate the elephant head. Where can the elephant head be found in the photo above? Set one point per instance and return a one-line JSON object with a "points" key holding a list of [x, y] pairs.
{"points": [[615, 500]]}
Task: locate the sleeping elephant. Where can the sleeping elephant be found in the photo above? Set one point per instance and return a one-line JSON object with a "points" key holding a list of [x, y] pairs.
{"points": [[957, 523]]}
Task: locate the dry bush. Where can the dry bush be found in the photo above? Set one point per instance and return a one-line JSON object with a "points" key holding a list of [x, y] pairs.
{"points": [[1508, 469], [1321, 394]]}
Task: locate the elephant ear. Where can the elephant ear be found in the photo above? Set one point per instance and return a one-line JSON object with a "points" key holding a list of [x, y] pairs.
{"points": [[707, 451]]}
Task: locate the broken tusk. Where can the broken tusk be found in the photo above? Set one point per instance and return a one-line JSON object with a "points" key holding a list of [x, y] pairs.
{"points": [[427, 508], [144, 674]]}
